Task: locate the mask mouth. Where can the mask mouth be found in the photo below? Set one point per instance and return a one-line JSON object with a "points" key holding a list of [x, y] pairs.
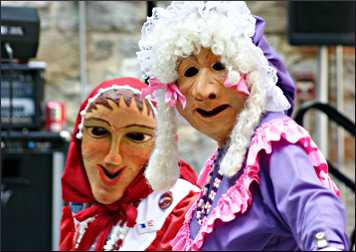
{"points": [[213, 112], [110, 175]]}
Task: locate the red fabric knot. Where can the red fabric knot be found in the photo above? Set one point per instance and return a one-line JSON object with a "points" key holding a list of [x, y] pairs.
{"points": [[106, 216]]}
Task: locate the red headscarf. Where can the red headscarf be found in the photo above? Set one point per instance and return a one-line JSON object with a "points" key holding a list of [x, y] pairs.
{"points": [[75, 184], [76, 188]]}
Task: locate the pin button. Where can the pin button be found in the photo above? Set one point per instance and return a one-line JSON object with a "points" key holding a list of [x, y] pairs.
{"points": [[165, 200]]}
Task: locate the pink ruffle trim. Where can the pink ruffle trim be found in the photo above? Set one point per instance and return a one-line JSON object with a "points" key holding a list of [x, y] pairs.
{"points": [[238, 197]]}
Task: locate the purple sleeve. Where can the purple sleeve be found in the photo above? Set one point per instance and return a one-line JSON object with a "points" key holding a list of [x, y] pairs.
{"points": [[303, 203]]}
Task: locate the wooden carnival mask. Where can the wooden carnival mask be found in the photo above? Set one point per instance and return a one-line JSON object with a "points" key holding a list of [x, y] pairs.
{"points": [[211, 107], [118, 137]]}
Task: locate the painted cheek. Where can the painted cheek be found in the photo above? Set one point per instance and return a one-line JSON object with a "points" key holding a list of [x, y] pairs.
{"points": [[191, 104], [88, 148], [137, 157], [221, 76], [185, 85], [93, 150]]}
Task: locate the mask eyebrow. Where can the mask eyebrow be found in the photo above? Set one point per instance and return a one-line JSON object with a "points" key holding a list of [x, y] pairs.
{"points": [[186, 63], [139, 125], [212, 58], [96, 119]]}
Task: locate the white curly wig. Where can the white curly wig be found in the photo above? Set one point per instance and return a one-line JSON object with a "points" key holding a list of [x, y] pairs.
{"points": [[180, 30]]}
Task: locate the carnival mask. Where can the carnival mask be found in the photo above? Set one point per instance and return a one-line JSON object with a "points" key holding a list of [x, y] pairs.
{"points": [[118, 138], [211, 107]]}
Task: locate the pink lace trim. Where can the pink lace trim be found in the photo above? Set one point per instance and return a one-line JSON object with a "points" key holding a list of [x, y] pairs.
{"points": [[238, 197]]}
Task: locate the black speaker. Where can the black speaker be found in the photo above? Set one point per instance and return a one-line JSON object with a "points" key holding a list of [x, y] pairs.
{"points": [[318, 23], [31, 199], [22, 90], [20, 28]]}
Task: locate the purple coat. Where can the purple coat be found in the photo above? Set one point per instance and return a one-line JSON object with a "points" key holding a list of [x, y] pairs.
{"points": [[289, 206]]}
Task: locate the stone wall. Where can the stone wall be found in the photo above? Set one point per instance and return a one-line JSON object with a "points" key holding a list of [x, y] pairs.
{"points": [[113, 30]]}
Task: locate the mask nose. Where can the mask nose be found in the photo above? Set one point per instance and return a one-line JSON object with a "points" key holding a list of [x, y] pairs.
{"points": [[113, 159], [205, 87]]}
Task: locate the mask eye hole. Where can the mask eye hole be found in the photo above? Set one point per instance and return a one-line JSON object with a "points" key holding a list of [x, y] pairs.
{"points": [[98, 131], [138, 136], [218, 66], [191, 71]]}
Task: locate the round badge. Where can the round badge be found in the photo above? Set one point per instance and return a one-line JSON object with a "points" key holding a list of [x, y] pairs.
{"points": [[165, 200]]}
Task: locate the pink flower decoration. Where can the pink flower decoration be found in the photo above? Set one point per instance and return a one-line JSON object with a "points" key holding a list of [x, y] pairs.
{"points": [[173, 94], [240, 85]]}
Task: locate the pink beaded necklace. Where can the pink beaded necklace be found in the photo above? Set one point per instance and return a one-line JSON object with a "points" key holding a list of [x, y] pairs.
{"points": [[207, 195]]}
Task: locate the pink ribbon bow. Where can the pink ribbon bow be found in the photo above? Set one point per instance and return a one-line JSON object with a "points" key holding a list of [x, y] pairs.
{"points": [[173, 94], [240, 85]]}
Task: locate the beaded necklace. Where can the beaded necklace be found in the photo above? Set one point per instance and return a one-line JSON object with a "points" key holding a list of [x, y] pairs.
{"points": [[209, 190]]}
